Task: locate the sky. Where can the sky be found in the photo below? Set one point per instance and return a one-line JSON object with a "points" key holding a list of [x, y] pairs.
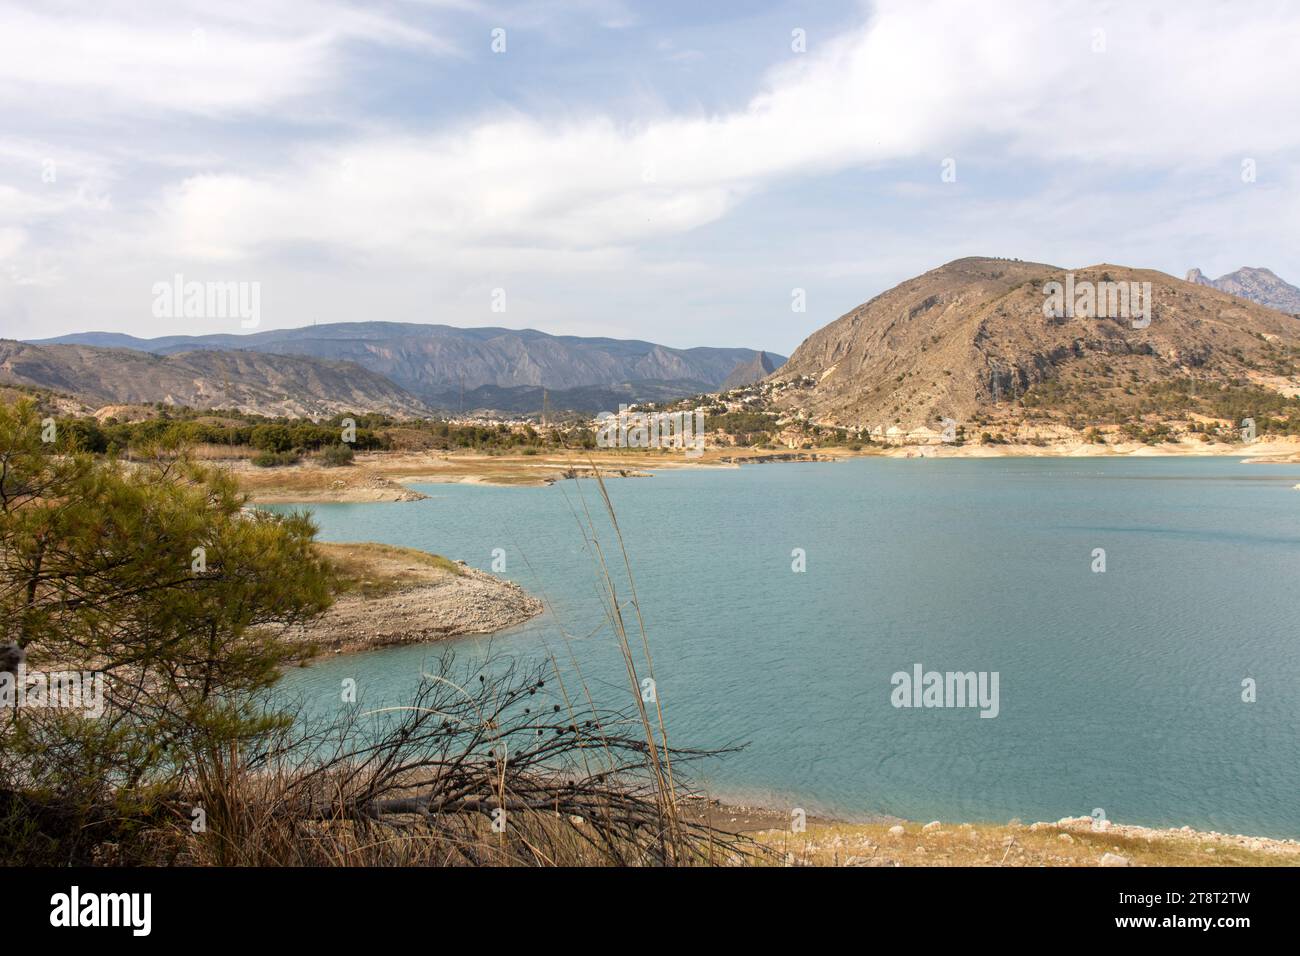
{"points": [[690, 173]]}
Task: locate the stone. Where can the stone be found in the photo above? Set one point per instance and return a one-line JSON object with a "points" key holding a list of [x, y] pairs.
{"points": [[1114, 859], [896, 830]]}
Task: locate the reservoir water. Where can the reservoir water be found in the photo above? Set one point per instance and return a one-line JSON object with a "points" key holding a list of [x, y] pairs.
{"points": [[1121, 690]]}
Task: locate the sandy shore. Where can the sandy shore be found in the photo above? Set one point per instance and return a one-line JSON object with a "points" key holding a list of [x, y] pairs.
{"points": [[1076, 841], [393, 596], [383, 476]]}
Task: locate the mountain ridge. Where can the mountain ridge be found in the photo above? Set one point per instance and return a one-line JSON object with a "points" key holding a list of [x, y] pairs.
{"points": [[428, 360], [747, 373], [1256, 284], [252, 382]]}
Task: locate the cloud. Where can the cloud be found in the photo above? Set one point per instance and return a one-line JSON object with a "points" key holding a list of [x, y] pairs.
{"points": [[1026, 82], [186, 57], [1075, 126]]}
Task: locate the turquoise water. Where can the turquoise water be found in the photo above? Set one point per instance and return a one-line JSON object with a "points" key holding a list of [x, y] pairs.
{"points": [[1120, 690]]}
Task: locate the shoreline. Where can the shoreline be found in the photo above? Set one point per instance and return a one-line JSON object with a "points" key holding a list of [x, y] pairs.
{"points": [[386, 476], [1259, 452], [396, 596], [1070, 841]]}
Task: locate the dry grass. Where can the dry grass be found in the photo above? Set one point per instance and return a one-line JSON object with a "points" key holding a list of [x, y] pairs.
{"points": [[374, 569]]}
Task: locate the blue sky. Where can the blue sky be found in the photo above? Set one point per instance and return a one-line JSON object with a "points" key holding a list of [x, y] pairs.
{"points": [[666, 171]]}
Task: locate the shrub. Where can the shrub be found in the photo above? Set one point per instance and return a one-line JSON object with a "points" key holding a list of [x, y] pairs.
{"points": [[275, 459], [335, 455]]}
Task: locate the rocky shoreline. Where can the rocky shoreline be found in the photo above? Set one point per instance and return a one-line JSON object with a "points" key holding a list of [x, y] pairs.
{"points": [[1072, 841], [415, 601]]}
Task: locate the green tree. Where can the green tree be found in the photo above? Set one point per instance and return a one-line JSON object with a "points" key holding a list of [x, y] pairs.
{"points": [[155, 576]]}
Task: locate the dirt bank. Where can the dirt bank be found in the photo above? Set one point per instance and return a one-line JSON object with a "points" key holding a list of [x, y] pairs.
{"points": [[389, 595]]}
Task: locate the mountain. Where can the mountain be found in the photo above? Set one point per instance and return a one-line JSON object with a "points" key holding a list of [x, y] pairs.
{"points": [[747, 373], [432, 361], [971, 339], [1257, 285], [260, 384], [586, 401]]}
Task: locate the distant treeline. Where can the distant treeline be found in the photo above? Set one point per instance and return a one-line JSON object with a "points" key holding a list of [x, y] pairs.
{"points": [[281, 436]]}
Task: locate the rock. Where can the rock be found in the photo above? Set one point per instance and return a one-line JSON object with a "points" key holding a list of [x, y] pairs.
{"points": [[858, 861], [931, 826], [1114, 859], [896, 831], [1065, 838]]}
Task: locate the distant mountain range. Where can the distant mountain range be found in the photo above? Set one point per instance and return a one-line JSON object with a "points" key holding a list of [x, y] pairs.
{"points": [[436, 363], [412, 368], [1257, 285], [971, 339], [261, 384]]}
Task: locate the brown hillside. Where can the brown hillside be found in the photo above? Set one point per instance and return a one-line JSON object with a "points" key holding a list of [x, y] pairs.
{"points": [[971, 339], [290, 385]]}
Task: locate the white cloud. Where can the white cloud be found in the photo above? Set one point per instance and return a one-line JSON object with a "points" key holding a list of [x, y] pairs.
{"points": [[548, 198], [919, 80], [211, 59]]}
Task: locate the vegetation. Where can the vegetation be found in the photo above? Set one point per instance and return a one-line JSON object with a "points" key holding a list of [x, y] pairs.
{"points": [[275, 459], [374, 569], [336, 455], [1143, 411], [155, 577], [151, 575], [172, 427]]}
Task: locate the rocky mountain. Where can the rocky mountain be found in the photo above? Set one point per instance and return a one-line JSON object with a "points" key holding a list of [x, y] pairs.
{"points": [[974, 337], [248, 381], [585, 401], [747, 373], [1257, 285], [432, 361]]}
